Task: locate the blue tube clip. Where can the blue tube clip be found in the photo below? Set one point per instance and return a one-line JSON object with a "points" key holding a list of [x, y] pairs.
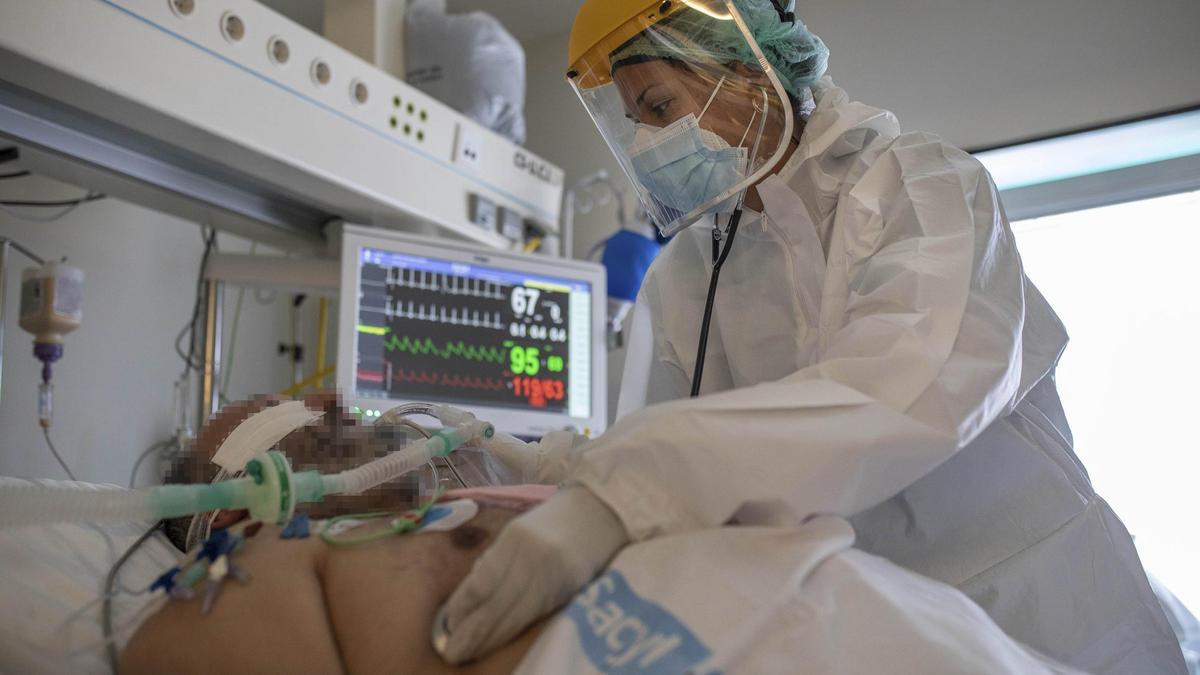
{"points": [[297, 527]]}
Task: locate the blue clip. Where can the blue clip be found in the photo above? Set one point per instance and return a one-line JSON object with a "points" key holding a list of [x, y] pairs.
{"points": [[215, 546], [166, 581], [297, 527]]}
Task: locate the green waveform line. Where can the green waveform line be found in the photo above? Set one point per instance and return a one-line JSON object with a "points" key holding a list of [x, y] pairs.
{"points": [[449, 350]]}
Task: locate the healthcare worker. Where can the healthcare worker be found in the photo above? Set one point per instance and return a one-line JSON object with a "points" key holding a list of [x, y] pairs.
{"points": [[874, 350]]}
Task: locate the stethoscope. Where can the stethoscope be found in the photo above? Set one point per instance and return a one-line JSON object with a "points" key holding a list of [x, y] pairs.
{"points": [[721, 253]]}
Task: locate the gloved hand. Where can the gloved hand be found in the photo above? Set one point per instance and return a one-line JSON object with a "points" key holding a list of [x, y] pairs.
{"points": [[545, 461], [538, 562]]}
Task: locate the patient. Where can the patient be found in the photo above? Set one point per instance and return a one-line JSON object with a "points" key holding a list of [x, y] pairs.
{"points": [[748, 600], [315, 608], [732, 599]]}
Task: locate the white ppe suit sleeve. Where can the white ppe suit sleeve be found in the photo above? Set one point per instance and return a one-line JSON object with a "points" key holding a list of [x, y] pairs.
{"points": [[921, 352], [545, 461]]}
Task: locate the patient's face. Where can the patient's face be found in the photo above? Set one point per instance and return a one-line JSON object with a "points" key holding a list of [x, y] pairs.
{"points": [[338, 441], [312, 607]]}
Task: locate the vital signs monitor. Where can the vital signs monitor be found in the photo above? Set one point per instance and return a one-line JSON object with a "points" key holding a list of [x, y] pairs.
{"points": [[517, 339]]}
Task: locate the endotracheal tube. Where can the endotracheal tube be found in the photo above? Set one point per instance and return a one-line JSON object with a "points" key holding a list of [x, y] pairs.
{"points": [[270, 490]]}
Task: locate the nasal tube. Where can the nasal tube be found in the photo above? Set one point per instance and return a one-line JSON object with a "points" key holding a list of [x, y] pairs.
{"points": [[270, 491]]}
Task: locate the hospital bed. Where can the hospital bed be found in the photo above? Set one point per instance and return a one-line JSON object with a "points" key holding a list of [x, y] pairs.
{"points": [[777, 584], [52, 578]]}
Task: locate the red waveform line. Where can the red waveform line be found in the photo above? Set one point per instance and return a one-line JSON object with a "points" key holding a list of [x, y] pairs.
{"points": [[370, 376], [485, 383], [426, 377], [402, 375]]}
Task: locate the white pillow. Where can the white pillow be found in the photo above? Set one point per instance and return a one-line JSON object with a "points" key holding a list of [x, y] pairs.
{"points": [[48, 573]]}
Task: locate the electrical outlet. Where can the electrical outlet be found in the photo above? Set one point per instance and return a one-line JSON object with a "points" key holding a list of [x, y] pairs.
{"points": [[510, 225], [483, 212]]}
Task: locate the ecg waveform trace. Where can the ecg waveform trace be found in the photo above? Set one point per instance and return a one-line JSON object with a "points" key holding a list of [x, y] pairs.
{"points": [[427, 347], [448, 284], [449, 380], [453, 315]]}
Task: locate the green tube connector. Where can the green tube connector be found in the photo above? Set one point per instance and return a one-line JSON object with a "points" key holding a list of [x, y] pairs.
{"points": [[444, 442], [452, 437], [309, 486], [270, 491], [172, 501]]}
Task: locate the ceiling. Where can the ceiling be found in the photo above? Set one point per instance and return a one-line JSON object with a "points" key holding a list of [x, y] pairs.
{"points": [[525, 19]]}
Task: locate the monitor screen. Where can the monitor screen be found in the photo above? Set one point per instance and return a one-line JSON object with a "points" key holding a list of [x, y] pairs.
{"points": [[452, 330]]}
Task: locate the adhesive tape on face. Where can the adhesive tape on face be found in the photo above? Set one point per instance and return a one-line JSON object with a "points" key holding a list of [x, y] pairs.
{"points": [[260, 432]]}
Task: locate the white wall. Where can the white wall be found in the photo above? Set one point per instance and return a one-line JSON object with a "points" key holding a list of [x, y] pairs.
{"points": [[113, 387]]}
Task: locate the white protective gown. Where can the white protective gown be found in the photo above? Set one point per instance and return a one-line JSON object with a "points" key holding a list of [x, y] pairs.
{"points": [[754, 600], [877, 352]]}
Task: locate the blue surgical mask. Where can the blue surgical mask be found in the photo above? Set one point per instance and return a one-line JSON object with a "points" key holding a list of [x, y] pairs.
{"points": [[685, 166]]}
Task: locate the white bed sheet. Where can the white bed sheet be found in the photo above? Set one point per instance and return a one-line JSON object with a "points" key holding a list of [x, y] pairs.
{"points": [[51, 572]]}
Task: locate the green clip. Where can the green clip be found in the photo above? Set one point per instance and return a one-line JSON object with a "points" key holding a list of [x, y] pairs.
{"points": [[254, 469], [399, 526]]}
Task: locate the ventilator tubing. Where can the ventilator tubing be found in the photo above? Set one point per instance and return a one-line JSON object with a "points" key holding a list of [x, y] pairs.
{"points": [[23, 505], [402, 461], [270, 492]]}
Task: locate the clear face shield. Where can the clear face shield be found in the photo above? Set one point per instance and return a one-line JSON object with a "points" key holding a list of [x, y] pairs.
{"points": [[688, 105]]}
